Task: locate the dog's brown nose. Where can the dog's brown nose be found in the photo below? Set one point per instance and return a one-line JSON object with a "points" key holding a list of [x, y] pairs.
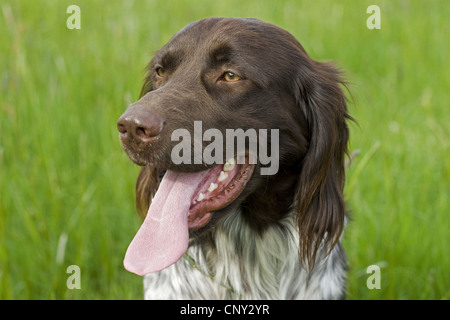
{"points": [[139, 124]]}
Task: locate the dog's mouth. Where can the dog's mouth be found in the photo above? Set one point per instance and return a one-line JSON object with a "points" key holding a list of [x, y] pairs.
{"points": [[184, 202], [223, 184]]}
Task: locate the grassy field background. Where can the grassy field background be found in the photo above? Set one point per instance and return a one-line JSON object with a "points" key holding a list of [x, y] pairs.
{"points": [[67, 188]]}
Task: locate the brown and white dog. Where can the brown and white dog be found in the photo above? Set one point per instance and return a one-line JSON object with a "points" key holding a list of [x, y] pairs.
{"points": [[223, 229]]}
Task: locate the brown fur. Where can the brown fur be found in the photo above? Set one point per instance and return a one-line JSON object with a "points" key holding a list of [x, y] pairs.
{"points": [[283, 88]]}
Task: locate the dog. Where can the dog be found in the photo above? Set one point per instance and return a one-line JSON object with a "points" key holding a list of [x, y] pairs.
{"points": [[225, 230]]}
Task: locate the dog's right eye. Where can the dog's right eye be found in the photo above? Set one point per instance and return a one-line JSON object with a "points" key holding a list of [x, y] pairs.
{"points": [[160, 72], [230, 77]]}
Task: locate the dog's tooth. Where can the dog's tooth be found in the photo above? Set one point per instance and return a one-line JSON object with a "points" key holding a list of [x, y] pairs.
{"points": [[201, 196], [212, 187], [222, 176], [229, 165]]}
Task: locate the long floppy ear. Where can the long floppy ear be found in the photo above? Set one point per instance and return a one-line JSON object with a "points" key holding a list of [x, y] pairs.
{"points": [[146, 186], [320, 200], [148, 180], [148, 83]]}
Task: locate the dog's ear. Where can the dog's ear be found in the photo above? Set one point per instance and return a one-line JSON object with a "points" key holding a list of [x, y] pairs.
{"points": [[146, 186], [148, 82], [148, 180], [319, 196]]}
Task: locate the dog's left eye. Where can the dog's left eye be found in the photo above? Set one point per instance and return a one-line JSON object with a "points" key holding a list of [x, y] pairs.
{"points": [[160, 71], [231, 77]]}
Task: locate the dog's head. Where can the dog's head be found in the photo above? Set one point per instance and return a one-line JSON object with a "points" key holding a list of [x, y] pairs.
{"points": [[219, 80]]}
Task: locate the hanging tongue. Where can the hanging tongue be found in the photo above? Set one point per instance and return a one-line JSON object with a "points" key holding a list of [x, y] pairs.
{"points": [[164, 235]]}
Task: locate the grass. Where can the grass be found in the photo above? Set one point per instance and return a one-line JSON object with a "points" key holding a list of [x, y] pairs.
{"points": [[63, 175]]}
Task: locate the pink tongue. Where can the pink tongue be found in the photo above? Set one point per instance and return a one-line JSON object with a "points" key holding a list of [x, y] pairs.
{"points": [[164, 235]]}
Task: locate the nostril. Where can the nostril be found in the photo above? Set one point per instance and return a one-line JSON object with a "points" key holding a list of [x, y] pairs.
{"points": [[149, 131], [142, 133], [122, 128]]}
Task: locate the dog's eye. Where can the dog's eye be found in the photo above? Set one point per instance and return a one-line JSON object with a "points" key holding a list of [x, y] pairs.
{"points": [[231, 77], [160, 71]]}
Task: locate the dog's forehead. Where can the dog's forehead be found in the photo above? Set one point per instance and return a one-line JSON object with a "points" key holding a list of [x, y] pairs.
{"points": [[243, 35], [208, 28], [211, 32]]}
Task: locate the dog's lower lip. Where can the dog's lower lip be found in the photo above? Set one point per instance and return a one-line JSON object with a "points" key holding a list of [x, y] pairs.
{"points": [[200, 221], [220, 195]]}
